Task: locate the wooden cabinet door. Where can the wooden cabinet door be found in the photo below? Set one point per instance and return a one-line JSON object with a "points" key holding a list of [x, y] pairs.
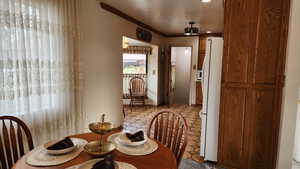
{"points": [[252, 81], [201, 52], [199, 95], [201, 56]]}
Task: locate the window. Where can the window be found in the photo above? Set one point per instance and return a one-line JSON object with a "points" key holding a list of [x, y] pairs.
{"points": [[134, 63]]}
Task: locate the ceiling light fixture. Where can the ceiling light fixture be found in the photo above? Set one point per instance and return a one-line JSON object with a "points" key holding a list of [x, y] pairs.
{"points": [[191, 30], [205, 1]]}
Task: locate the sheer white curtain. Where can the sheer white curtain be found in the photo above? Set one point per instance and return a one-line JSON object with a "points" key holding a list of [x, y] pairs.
{"points": [[38, 66]]}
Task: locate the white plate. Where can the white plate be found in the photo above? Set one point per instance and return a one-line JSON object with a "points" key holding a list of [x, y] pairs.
{"points": [[40, 158], [59, 152], [149, 147], [123, 139], [89, 164]]}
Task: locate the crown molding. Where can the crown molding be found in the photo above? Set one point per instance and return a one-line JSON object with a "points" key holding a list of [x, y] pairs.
{"points": [[129, 18], [148, 27]]}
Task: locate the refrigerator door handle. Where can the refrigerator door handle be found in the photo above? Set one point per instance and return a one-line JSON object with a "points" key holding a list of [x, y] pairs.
{"points": [[202, 114]]}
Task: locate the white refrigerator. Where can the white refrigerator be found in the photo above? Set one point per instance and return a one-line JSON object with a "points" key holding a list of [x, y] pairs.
{"points": [[211, 88]]}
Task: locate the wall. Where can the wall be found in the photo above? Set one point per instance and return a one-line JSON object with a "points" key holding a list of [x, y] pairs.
{"points": [[152, 80], [289, 109], [182, 73], [194, 43], [100, 53]]}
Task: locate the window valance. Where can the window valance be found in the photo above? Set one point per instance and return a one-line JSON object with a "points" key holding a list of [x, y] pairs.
{"points": [[138, 50]]}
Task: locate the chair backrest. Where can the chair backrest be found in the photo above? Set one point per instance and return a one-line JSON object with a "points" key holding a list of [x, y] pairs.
{"points": [[11, 140], [137, 85], [171, 129]]}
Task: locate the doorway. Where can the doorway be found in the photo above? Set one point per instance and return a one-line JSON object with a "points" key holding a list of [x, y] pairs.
{"points": [[140, 72], [180, 74]]}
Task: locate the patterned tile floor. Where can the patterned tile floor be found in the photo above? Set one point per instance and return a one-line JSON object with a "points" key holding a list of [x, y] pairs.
{"points": [[140, 117]]}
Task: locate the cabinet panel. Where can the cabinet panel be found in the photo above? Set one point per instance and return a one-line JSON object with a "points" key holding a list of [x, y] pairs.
{"points": [[200, 60], [233, 118], [202, 52], [268, 42], [261, 102], [199, 95], [255, 39], [237, 41], [202, 45]]}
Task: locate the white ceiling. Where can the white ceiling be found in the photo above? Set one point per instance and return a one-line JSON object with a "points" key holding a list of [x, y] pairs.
{"points": [[172, 16]]}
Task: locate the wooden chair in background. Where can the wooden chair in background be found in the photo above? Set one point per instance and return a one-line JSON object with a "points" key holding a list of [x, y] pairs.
{"points": [[124, 114], [137, 91], [11, 140], [171, 129]]}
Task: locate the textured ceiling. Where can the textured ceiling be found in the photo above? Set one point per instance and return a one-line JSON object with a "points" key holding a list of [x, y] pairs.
{"points": [[172, 16]]}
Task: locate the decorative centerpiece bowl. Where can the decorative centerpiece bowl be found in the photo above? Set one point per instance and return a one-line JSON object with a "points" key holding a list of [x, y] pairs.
{"points": [[100, 147], [100, 127]]}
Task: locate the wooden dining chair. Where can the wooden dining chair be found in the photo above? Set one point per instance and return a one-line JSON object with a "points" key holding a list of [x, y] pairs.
{"points": [[171, 129], [11, 140], [124, 114], [137, 91]]}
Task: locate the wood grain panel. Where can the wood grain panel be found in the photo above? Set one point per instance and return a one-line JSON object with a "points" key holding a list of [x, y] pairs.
{"points": [[260, 150], [237, 39], [202, 52], [201, 56], [202, 45], [233, 117], [199, 94], [255, 40], [268, 41], [201, 60]]}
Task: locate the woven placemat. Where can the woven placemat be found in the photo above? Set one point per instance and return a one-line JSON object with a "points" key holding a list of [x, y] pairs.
{"points": [[40, 158], [89, 164], [149, 147]]}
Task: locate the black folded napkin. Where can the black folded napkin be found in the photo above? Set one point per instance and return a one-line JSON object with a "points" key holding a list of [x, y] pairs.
{"points": [[138, 136], [63, 144], [107, 163]]}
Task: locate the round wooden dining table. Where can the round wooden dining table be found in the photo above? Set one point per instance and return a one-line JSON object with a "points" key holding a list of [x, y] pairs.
{"points": [[162, 158]]}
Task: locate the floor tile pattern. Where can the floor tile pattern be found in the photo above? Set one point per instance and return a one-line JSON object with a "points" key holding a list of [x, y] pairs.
{"points": [[140, 118]]}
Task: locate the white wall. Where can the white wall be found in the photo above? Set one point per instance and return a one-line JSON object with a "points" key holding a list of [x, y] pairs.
{"points": [[289, 109], [182, 73], [194, 43], [152, 79], [100, 53]]}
